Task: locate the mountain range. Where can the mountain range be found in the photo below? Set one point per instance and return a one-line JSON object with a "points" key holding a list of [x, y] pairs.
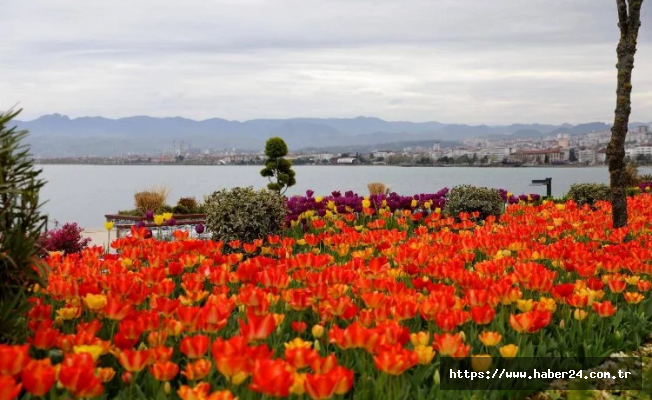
{"points": [[57, 135]]}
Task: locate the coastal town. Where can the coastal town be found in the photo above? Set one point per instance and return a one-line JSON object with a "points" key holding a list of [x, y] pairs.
{"points": [[561, 149]]}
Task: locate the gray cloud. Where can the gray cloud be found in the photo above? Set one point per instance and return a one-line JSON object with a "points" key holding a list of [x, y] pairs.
{"points": [[471, 61]]}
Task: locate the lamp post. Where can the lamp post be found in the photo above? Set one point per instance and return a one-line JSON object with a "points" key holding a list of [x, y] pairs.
{"points": [[541, 182]]}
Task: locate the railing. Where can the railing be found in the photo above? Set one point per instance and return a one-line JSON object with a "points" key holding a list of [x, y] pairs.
{"points": [[123, 223]]}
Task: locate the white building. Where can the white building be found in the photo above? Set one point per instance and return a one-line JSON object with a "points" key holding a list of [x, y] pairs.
{"points": [[586, 156]]}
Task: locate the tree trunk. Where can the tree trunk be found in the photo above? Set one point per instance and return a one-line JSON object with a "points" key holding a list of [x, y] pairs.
{"points": [[629, 20]]}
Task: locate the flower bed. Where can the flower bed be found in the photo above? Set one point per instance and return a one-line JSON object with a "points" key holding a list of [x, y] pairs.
{"points": [[352, 202], [364, 306]]}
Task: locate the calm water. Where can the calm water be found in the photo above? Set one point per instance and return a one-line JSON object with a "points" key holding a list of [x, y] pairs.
{"points": [[84, 193]]}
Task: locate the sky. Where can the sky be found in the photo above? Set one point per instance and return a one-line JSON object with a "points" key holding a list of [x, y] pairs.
{"points": [[452, 61]]}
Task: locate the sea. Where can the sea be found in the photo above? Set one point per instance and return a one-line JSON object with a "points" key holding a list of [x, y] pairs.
{"points": [[85, 193]]}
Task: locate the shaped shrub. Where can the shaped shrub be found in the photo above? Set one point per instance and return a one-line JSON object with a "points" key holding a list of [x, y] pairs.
{"points": [[466, 198], [244, 214], [587, 193]]}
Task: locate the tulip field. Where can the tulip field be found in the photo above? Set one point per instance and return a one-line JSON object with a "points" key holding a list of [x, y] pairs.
{"points": [[355, 305]]}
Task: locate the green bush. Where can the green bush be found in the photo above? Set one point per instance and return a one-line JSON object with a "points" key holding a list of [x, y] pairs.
{"points": [[244, 214], [180, 210], [587, 193], [187, 203], [466, 198]]}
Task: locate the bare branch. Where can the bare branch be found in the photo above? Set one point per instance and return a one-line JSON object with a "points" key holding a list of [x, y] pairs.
{"points": [[622, 14], [634, 14]]}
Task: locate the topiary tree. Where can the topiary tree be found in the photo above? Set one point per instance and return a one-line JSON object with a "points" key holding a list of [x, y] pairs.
{"points": [[21, 225], [278, 170]]}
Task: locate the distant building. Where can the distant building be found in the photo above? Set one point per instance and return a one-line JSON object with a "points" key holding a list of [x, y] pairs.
{"points": [[539, 156], [382, 153], [347, 160]]}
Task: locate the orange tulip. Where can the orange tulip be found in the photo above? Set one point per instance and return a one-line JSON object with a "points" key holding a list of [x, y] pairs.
{"points": [[300, 357], [257, 327], [395, 360], [531, 321], [199, 392], [164, 371], [483, 315], [197, 370], [194, 346], [337, 381], [604, 309], [13, 359], [77, 375], [9, 389], [490, 338], [272, 377], [38, 377], [448, 344], [633, 297], [133, 360]]}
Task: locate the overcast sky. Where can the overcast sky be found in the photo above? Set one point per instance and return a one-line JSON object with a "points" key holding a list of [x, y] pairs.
{"points": [[462, 61]]}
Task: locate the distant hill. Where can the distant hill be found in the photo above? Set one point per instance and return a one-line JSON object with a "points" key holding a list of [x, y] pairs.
{"points": [[58, 135]]}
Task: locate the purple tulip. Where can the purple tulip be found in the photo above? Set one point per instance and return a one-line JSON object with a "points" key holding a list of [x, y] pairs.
{"points": [[172, 222], [199, 229], [148, 235], [140, 224], [149, 215], [309, 193]]}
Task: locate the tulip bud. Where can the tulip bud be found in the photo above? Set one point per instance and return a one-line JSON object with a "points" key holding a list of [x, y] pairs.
{"points": [[562, 324], [617, 335], [166, 387], [127, 377], [437, 378], [317, 331], [316, 345]]}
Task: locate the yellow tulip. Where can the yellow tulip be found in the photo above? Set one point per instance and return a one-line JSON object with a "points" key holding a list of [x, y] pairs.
{"points": [[95, 351], [579, 314], [425, 353], [509, 351], [298, 343], [317, 331], [108, 225], [95, 301], [159, 219], [481, 362], [420, 338], [298, 385]]}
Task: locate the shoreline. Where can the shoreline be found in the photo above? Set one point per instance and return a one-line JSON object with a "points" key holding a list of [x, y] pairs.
{"points": [[334, 165]]}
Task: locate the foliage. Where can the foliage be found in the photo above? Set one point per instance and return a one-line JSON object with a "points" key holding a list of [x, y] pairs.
{"points": [[150, 200], [631, 177], [21, 224], [376, 188], [645, 177], [66, 238], [244, 214], [588, 193], [470, 199], [278, 169], [189, 203]]}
